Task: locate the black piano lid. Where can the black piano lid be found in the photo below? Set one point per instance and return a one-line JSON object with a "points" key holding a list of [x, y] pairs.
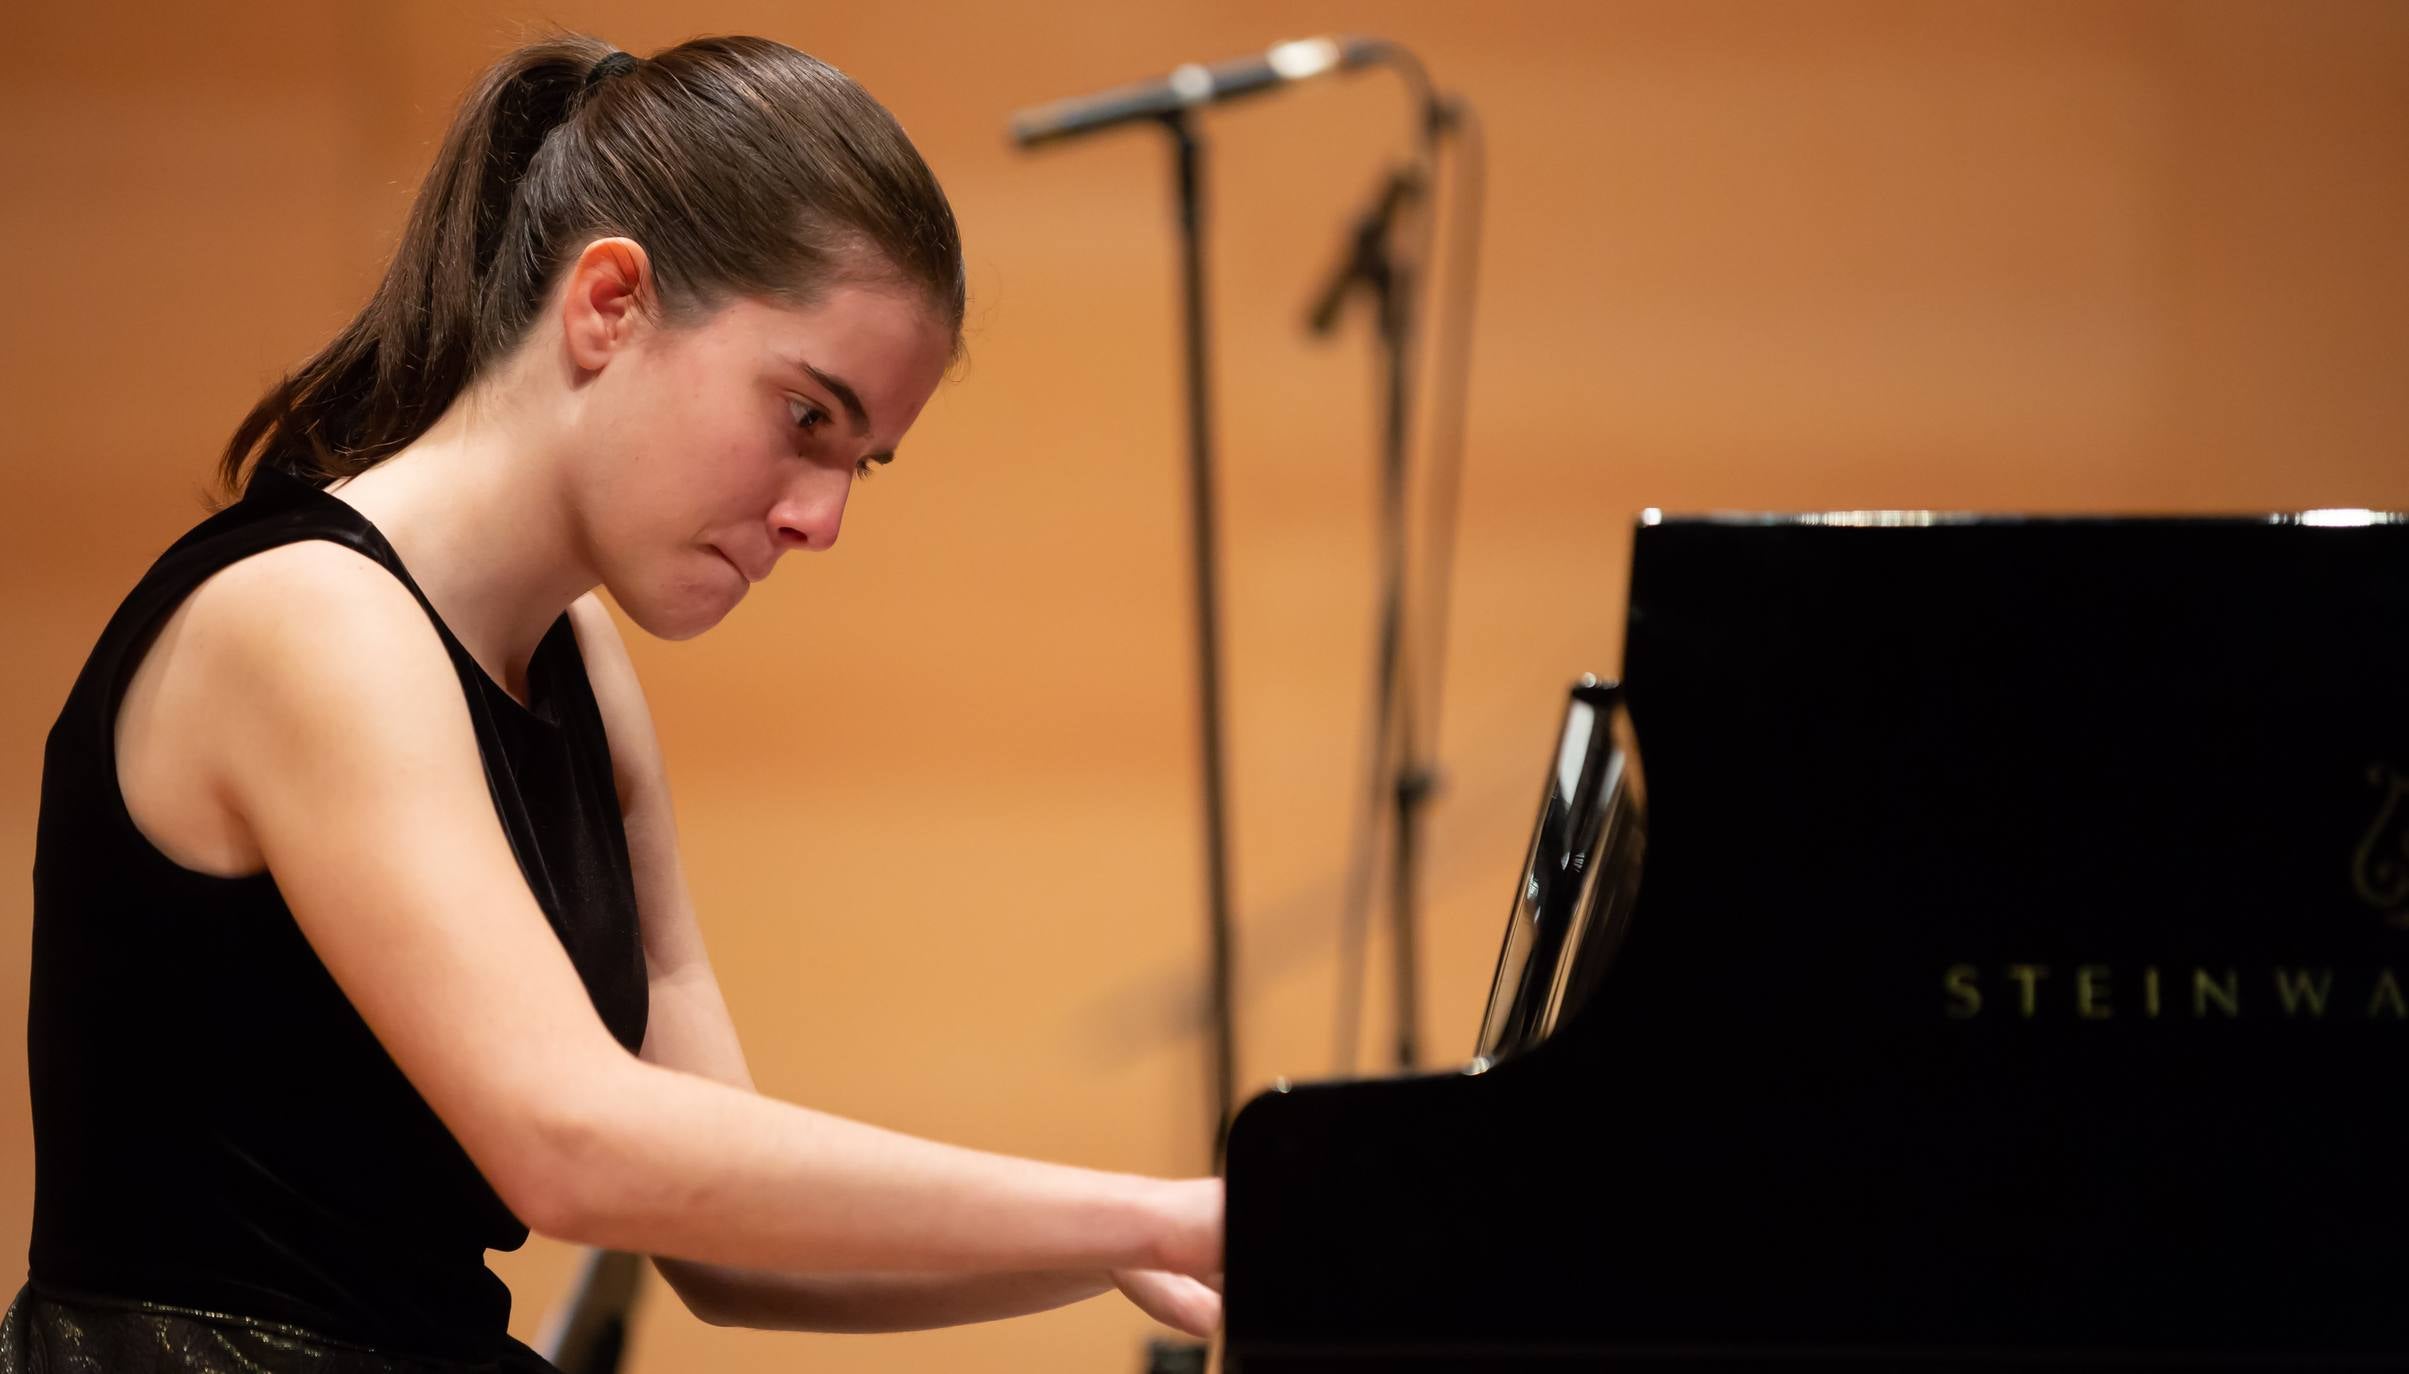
{"points": [[2017, 975]]}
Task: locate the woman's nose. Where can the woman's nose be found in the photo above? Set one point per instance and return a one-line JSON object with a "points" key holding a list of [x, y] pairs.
{"points": [[810, 513]]}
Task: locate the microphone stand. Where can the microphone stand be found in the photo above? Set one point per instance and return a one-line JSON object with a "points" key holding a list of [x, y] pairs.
{"points": [[1168, 102], [588, 1334], [1163, 1356], [1187, 173], [1374, 266]]}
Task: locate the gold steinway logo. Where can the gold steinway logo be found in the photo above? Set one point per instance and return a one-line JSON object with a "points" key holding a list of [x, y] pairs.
{"points": [[2380, 869], [2310, 992], [2190, 992]]}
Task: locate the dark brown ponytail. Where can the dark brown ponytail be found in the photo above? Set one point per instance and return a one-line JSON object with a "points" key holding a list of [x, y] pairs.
{"points": [[743, 166]]}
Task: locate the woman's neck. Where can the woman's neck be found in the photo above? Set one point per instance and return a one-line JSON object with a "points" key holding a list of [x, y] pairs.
{"points": [[477, 510]]}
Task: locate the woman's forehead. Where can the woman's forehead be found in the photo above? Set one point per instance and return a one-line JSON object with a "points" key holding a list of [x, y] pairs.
{"points": [[886, 345], [866, 313]]}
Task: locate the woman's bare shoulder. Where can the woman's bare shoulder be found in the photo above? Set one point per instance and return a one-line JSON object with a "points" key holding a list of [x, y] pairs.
{"points": [[314, 585], [299, 622], [318, 629]]}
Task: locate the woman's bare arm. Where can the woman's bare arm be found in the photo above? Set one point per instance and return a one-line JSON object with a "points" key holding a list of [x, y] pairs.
{"points": [[690, 1029], [345, 744]]}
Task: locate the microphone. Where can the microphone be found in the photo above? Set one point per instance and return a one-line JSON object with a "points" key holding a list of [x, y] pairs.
{"points": [[1368, 260], [1192, 85]]}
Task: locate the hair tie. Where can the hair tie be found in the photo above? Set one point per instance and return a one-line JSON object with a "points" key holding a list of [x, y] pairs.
{"points": [[609, 67]]}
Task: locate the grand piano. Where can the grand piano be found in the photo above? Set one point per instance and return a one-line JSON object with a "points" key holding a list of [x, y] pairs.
{"points": [[2001, 961]]}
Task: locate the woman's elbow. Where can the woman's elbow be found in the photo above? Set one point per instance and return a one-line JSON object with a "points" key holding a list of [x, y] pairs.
{"points": [[553, 1174], [550, 1207]]}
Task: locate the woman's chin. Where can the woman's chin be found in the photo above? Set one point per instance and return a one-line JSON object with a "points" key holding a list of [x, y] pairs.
{"points": [[683, 618]]}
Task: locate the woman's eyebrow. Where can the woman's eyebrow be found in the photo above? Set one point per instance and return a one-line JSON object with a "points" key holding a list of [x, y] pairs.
{"points": [[844, 396]]}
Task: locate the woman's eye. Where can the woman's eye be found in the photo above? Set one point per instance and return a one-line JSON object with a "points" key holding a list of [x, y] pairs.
{"points": [[862, 470], [808, 417]]}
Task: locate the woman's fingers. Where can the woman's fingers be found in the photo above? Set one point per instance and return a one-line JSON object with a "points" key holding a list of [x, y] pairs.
{"points": [[1175, 1300]]}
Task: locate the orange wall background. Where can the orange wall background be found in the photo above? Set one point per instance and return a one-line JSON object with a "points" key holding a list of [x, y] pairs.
{"points": [[936, 788]]}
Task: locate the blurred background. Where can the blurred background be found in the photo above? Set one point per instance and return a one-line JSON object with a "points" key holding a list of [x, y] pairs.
{"points": [[937, 789]]}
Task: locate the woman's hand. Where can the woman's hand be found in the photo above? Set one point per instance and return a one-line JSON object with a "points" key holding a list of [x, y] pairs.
{"points": [[1176, 1300], [1183, 1291], [1191, 1235]]}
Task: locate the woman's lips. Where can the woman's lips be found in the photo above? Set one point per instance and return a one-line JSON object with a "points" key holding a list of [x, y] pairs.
{"points": [[740, 572]]}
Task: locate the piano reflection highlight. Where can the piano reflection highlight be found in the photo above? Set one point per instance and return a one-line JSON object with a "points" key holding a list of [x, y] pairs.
{"points": [[1578, 880]]}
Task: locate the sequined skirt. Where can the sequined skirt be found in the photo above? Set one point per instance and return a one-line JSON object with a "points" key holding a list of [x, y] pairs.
{"points": [[48, 1331]]}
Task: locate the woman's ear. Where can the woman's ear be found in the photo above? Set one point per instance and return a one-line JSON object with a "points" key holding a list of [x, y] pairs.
{"points": [[605, 300]]}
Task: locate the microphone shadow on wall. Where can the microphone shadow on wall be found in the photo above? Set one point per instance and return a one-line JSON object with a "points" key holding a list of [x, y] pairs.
{"points": [[1169, 1004]]}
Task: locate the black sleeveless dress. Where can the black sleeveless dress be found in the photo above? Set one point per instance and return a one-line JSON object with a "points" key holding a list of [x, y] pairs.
{"points": [[231, 1174]]}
